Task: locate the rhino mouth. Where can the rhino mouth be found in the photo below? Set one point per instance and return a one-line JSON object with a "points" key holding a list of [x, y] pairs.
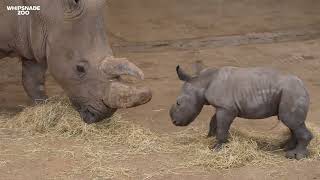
{"points": [[91, 114], [177, 123], [176, 120], [180, 123]]}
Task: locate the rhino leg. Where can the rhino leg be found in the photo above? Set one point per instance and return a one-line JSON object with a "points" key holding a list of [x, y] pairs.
{"points": [[291, 143], [304, 137], [33, 79], [224, 119], [293, 112], [213, 127]]}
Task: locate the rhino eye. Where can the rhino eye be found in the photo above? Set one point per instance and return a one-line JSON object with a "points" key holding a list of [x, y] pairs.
{"points": [[178, 103], [81, 71]]}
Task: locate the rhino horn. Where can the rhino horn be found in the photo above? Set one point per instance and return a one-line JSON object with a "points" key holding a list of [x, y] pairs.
{"points": [[122, 96], [120, 66]]}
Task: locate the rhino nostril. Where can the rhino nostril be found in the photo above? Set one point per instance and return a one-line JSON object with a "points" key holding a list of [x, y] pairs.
{"points": [[89, 117]]}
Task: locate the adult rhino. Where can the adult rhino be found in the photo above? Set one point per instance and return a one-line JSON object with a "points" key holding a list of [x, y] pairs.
{"points": [[68, 38]]}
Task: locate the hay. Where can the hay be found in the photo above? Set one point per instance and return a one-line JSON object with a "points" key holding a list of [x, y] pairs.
{"points": [[240, 151], [244, 148], [53, 116], [56, 118]]}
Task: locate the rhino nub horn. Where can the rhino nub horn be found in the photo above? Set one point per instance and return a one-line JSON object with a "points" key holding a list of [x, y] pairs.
{"points": [[120, 66]]}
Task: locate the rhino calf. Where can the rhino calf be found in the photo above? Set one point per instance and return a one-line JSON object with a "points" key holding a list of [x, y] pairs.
{"points": [[252, 93]]}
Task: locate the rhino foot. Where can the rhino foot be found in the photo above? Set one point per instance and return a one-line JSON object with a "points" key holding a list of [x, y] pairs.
{"points": [[297, 154], [290, 144], [217, 147]]}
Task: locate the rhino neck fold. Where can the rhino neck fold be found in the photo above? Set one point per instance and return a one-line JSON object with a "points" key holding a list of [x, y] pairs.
{"points": [[203, 82], [205, 78]]}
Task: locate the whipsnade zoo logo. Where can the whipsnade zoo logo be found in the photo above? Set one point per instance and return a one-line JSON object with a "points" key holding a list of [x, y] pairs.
{"points": [[23, 10]]}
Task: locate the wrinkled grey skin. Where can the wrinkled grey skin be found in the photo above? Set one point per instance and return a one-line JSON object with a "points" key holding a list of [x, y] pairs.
{"points": [[68, 38], [252, 93]]}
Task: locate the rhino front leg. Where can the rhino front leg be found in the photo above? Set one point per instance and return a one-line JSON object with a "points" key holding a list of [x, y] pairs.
{"points": [[213, 127], [224, 119], [33, 79]]}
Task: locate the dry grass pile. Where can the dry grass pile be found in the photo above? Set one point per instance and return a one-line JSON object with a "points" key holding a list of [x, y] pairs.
{"points": [[244, 148], [240, 151], [56, 117], [116, 138]]}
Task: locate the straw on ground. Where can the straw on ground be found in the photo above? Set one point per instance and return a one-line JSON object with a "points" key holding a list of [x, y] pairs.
{"points": [[56, 118]]}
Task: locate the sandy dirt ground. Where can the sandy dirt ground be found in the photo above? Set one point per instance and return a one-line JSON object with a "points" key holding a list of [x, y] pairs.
{"points": [[148, 21]]}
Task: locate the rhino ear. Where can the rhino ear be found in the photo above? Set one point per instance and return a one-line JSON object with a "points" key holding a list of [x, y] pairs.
{"points": [[198, 66], [183, 76]]}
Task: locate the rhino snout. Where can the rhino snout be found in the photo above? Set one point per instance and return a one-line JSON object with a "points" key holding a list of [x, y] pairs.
{"points": [[92, 114], [178, 118], [89, 117], [173, 117]]}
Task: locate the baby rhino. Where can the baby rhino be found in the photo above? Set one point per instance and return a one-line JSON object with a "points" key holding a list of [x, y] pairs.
{"points": [[252, 93]]}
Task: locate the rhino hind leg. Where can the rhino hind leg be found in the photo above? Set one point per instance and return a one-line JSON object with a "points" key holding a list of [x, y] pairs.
{"points": [[293, 113], [33, 80], [291, 143], [224, 119], [304, 137]]}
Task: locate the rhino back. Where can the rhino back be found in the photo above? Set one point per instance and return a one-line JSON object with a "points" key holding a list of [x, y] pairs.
{"points": [[251, 92]]}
